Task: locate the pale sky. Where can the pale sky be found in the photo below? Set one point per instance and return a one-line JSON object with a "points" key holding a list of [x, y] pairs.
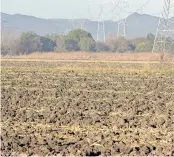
{"points": [[74, 8]]}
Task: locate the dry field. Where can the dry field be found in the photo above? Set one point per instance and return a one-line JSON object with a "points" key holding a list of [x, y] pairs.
{"points": [[145, 57], [86, 108]]}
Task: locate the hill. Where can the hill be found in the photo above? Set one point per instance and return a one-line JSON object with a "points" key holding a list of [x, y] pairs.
{"points": [[138, 25]]}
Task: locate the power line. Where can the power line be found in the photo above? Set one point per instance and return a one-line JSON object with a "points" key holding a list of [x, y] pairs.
{"points": [[121, 32], [101, 34], [120, 7], [140, 9]]}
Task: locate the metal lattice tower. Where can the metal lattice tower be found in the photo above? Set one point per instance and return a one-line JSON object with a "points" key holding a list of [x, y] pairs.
{"points": [[165, 31], [101, 36], [121, 32], [82, 25], [120, 6], [121, 28]]}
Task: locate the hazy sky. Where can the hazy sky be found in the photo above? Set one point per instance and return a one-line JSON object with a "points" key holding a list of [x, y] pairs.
{"points": [[72, 8]]}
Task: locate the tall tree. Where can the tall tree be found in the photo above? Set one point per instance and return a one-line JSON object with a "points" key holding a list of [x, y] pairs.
{"points": [[71, 45], [87, 44], [30, 42], [84, 40], [47, 44]]}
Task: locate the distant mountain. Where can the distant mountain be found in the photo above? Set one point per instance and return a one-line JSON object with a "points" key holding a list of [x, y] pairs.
{"points": [[141, 25], [138, 25]]}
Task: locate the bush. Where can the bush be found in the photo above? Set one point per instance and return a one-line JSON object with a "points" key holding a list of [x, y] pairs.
{"points": [[102, 47]]}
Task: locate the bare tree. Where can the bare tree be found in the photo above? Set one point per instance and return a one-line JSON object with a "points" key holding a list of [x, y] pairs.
{"points": [[9, 42]]}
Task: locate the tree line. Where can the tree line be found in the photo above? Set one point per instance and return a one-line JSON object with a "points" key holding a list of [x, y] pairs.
{"points": [[76, 40]]}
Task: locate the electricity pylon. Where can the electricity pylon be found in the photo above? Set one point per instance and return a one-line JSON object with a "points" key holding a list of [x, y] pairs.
{"points": [[82, 25], [120, 6], [165, 31], [121, 28], [101, 36]]}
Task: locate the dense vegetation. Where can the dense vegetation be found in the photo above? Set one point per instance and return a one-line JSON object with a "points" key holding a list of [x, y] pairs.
{"points": [[76, 40]]}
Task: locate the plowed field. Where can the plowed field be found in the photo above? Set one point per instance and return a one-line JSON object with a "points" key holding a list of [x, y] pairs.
{"points": [[86, 108]]}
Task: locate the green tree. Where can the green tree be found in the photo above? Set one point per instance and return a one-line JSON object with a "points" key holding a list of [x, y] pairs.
{"points": [[149, 42], [30, 42], [53, 37], [144, 44], [71, 45], [87, 44], [84, 40], [78, 34], [47, 44]]}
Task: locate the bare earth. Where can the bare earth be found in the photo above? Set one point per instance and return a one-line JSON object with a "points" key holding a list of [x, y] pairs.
{"points": [[86, 108]]}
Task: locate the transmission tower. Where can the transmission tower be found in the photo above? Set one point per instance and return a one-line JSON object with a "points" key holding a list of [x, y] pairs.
{"points": [[82, 25], [165, 31], [119, 8], [101, 36], [121, 32], [121, 28]]}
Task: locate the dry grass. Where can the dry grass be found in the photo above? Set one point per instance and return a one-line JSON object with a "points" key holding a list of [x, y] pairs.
{"points": [[153, 57]]}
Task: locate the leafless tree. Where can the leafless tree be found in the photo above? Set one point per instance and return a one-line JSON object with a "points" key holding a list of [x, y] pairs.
{"points": [[9, 42]]}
